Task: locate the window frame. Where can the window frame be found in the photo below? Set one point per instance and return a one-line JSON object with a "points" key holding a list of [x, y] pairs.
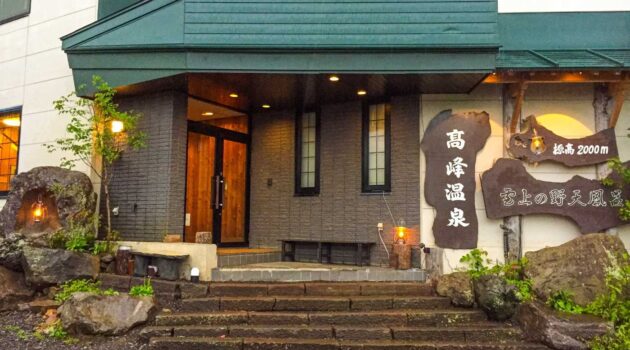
{"points": [[18, 109], [365, 151], [299, 190], [18, 16]]}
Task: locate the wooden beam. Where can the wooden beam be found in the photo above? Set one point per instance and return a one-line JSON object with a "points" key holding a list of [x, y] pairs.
{"points": [[519, 96], [542, 77], [618, 93]]}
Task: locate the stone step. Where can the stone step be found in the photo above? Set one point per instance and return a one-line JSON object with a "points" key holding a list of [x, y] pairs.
{"points": [[222, 289], [313, 303], [473, 333], [356, 318], [203, 343]]}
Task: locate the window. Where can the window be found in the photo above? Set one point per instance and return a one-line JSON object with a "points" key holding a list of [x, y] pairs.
{"points": [[10, 121], [11, 10], [376, 148], [307, 154]]}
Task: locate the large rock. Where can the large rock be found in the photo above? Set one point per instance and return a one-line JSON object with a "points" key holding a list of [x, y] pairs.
{"points": [[496, 297], [77, 204], [458, 286], [11, 251], [559, 330], [45, 267], [578, 266], [87, 313], [13, 289]]}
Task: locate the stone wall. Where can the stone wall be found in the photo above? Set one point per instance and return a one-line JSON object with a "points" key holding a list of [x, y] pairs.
{"points": [[341, 211]]}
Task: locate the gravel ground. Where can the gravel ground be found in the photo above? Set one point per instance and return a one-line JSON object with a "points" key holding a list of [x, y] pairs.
{"points": [[12, 339]]}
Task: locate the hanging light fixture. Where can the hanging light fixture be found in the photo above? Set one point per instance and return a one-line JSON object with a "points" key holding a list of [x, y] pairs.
{"points": [[39, 210], [537, 145]]}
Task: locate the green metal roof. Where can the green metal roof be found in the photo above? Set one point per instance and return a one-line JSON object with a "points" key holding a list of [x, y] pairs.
{"points": [[159, 38], [296, 24], [595, 40], [563, 59]]}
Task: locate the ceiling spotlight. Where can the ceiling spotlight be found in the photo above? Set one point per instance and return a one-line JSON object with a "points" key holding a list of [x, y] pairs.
{"points": [[266, 106], [333, 78], [207, 114], [233, 95], [361, 92]]}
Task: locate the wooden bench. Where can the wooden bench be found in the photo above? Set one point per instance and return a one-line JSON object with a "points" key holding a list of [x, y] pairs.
{"points": [[324, 250], [167, 264]]}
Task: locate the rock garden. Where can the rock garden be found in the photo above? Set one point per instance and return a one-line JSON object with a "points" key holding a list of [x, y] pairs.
{"points": [[573, 296]]}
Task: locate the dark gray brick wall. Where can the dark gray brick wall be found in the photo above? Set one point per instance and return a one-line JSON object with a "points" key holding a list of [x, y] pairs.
{"points": [[153, 178], [341, 211]]}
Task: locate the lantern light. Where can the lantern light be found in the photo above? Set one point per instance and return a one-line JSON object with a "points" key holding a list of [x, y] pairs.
{"points": [[401, 232], [39, 210], [537, 146], [117, 126]]}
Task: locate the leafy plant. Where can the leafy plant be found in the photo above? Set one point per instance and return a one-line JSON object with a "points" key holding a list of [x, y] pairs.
{"points": [[110, 292], [477, 261], [617, 340], [623, 174], [143, 290], [100, 248], [56, 331], [562, 300], [19, 332], [91, 134], [75, 286]]}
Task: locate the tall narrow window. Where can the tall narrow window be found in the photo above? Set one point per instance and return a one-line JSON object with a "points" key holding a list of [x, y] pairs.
{"points": [[376, 148], [10, 121], [307, 154]]}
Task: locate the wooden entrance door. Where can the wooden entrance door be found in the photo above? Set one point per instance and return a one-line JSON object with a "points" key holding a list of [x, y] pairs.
{"points": [[216, 187]]}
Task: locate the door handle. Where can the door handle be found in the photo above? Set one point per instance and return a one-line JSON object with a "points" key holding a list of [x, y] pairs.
{"points": [[218, 192]]}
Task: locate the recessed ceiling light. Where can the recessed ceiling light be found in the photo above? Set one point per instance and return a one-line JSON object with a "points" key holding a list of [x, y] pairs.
{"points": [[233, 95], [333, 78], [266, 106], [207, 113], [361, 92], [11, 122]]}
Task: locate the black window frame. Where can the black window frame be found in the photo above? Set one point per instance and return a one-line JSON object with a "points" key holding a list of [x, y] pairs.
{"points": [[299, 190], [18, 109], [365, 144], [19, 15]]}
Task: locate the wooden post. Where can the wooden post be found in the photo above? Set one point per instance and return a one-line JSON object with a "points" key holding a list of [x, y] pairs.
{"points": [[513, 95]]}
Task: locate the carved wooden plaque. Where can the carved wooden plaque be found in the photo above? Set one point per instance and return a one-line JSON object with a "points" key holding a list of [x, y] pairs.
{"points": [[450, 144], [590, 150], [508, 189]]}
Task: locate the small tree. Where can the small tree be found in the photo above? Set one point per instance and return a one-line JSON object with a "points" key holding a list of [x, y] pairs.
{"points": [[97, 132]]}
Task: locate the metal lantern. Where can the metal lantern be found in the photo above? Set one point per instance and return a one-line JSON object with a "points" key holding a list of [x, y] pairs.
{"points": [[39, 210], [537, 146]]}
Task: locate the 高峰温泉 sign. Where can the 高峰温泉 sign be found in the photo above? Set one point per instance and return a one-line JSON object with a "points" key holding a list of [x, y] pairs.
{"points": [[450, 144]]}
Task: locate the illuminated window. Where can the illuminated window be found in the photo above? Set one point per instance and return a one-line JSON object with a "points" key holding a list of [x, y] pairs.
{"points": [[307, 154], [10, 121], [376, 171], [11, 10]]}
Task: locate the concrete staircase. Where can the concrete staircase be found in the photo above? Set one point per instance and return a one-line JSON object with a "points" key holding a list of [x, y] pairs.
{"points": [[327, 316]]}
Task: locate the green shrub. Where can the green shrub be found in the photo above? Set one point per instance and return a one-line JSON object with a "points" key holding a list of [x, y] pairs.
{"points": [[100, 248], [110, 292], [619, 339], [75, 286], [143, 290], [562, 300], [477, 261], [56, 331]]}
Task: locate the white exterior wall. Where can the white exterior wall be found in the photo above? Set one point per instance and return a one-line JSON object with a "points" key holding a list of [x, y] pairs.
{"points": [[574, 104], [34, 72]]}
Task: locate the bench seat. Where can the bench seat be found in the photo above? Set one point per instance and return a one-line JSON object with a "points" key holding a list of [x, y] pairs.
{"points": [[324, 250]]}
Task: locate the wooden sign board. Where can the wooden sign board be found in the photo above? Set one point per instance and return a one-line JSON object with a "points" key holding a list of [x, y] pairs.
{"points": [[450, 144], [590, 150], [508, 190]]}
